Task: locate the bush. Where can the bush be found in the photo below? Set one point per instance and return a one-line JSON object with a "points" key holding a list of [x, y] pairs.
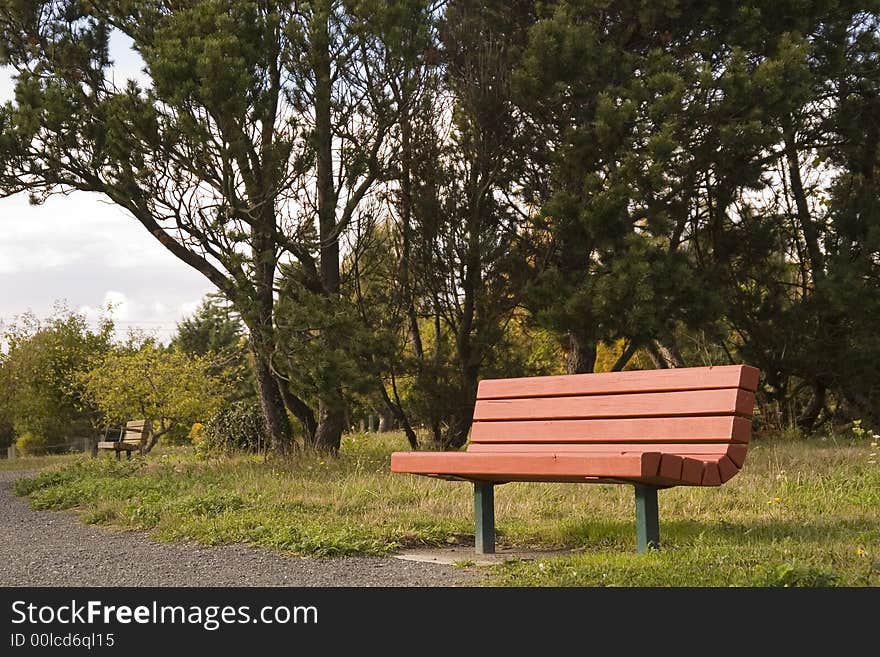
{"points": [[31, 444], [235, 428], [178, 434], [197, 433]]}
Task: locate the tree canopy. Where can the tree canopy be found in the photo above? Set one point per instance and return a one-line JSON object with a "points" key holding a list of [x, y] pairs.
{"points": [[167, 387], [396, 197], [42, 398]]}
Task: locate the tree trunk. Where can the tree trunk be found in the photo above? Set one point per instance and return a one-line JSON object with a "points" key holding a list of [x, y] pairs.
{"points": [[459, 424], [456, 434], [581, 353], [331, 413], [406, 205], [810, 231], [331, 423], [259, 321], [259, 317], [654, 355], [152, 436], [386, 421], [628, 352], [277, 423], [662, 356], [397, 411], [669, 354], [811, 413], [300, 410], [865, 407]]}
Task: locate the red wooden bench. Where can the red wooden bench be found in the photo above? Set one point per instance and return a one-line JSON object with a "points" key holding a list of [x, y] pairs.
{"points": [[653, 429]]}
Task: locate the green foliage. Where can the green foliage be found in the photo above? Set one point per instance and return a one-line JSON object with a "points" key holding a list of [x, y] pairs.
{"points": [[269, 119], [147, 381], [694, 182], [212, 328], [215, 331], [44, 401], [621, 190], [237, 427], [350, 346], [33, 445], [525, 350]]}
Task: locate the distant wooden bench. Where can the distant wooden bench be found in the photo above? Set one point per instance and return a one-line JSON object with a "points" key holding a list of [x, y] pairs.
{"points": [[653, 429], [133, 438]]}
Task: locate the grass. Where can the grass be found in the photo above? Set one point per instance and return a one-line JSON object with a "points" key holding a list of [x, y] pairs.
{"points": [[35, 462], [801, 513]]}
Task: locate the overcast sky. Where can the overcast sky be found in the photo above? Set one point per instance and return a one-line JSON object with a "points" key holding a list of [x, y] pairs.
{"points": [[84, 252]]}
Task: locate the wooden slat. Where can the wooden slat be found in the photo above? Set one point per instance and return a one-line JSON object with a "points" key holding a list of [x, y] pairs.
{"points": [[571, 479], [465, 464], [664, 404], [721, 428], [711, 475], [737, 454], [703, 452], [692, 470], [727, 468], [670, 466], [111, 444], [686, 378]]}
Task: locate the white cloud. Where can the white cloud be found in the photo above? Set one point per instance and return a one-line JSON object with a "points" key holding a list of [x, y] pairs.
{"points": [[7, 88], [148, 316], [22, 257], [78, 249], [120, 308], [113, 305], [67, 229], [189, 308], [127, 62], [83, 251]]}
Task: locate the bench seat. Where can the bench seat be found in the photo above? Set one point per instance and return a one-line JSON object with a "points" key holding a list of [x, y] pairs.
{"points": [[502, 467], [653, 429], [118, 445], [685, 466]]}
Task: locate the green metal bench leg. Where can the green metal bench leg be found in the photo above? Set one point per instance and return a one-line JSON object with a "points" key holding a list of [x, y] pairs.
{"points": [[484, 516], [647, 519]]}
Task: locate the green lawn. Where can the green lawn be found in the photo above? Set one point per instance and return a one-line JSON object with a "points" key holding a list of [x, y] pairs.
{"points": [[799, 513], [36, 462]]}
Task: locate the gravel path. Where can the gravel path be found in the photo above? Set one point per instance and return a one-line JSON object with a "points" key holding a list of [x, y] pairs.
{"points": [[44, 548]]}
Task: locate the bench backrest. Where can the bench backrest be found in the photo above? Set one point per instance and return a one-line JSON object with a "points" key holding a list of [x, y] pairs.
{"points": [[699, 412], [136, 432]]}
